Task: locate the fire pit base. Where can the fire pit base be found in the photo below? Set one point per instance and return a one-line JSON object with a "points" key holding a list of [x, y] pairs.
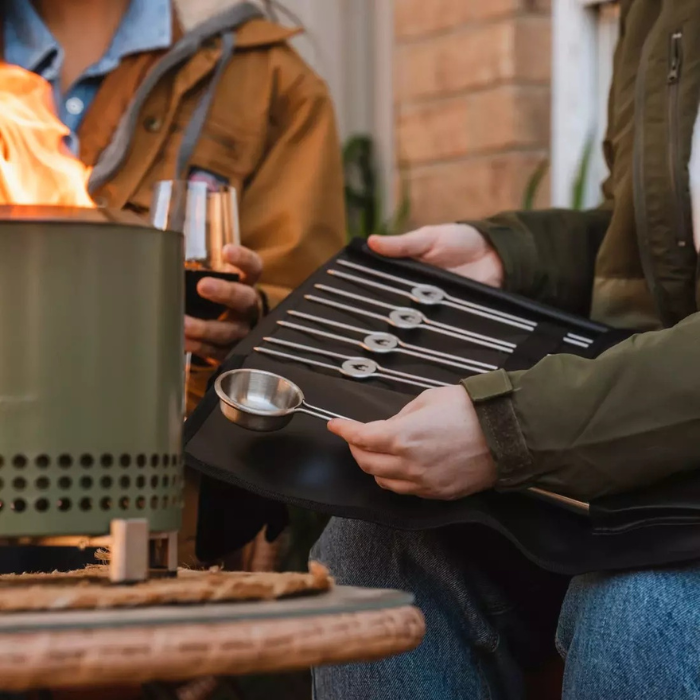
{"points": [[134, 554]]}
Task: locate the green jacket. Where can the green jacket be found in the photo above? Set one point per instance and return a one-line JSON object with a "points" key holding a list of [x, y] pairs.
{"points": [[587, 428]]}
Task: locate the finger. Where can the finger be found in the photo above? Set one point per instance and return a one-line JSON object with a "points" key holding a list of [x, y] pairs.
{"points": [[219, 333], [380, 465], [206, 351], [237, 297], [403, 488], [245, 260], [373, 437], [408, 245]]}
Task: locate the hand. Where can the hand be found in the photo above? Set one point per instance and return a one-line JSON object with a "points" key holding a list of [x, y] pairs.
{"points": [[434, 448], [455, 247], [213, 339]]}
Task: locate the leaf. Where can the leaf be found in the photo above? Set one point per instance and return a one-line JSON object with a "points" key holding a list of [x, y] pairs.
{"points": [[533, 185], [579, 189], [363, 194]]}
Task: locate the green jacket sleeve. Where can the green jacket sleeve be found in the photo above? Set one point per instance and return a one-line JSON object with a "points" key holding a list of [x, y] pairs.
{"points": [[588, 428], [548, 255]]}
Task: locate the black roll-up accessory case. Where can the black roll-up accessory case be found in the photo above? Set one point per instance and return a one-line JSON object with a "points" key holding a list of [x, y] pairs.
{"points": [[250, 477]]}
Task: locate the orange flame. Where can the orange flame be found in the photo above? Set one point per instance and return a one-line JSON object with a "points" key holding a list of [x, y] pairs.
{"points": [[35, 167]]}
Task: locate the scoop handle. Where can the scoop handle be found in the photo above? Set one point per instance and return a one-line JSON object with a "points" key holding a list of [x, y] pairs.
{"points": [[316, 412]]}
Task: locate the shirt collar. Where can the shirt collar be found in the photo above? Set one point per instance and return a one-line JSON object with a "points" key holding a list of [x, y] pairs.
{"points": [[146, 26], [28, 42]]}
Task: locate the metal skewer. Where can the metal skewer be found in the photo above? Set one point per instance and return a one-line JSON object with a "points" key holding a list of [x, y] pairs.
{"points": [[406, 318], [372, 366], [384, 343], [423, 294], [354, 368], [431, 295]]}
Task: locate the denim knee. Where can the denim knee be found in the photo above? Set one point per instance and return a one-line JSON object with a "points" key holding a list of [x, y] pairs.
{"points": [[632, 635], [358, 553]]}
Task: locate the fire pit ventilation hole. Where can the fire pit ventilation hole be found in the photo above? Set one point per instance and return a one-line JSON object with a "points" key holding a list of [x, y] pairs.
{"points": [[85, 504], [154, 502], [19, 505], [125, 482], [106, 482], [86, 482], [19, 483], [19, 462], [86, 461], [65, 482], [42, 461], [106, 503], [141, 482], [42, 505], [155, 460], [140, 502], [65, 461], [141, 460], [125, 460], [106, 461], [124, 503], [64, 505], [42, 483], [166, 461]]}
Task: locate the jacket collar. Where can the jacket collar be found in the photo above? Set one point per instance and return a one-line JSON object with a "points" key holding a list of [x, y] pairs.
{"points": [[256, 34]]}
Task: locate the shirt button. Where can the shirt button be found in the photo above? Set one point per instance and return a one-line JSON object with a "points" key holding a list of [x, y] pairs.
{"points": [[152, 124], [75, 106]]}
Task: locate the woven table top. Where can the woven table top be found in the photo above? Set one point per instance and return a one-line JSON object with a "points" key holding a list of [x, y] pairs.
{"points": [[92, 648]]}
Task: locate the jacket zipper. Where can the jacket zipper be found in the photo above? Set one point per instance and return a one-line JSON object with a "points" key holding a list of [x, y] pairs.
{"points": [[639, 197], [675, 165]]}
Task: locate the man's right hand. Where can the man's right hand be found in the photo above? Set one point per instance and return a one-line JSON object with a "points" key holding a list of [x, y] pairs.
{"points": [[458, 248]]}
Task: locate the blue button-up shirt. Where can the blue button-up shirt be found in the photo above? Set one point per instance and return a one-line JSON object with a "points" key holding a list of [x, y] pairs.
{"points": [[146, 26]]}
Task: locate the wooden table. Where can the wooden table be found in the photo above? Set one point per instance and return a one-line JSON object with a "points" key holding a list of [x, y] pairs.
{"points": [[88, 649]]}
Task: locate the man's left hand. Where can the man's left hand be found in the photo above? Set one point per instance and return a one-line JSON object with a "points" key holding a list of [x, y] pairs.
{"points": [[434, 448], [213, 340]]}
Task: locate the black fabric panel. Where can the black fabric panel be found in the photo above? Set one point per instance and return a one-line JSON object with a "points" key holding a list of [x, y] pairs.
{"points": [[306, 466], [608, 340], [546, 339]]}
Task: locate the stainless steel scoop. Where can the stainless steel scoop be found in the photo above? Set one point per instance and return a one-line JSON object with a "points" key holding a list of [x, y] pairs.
{"points": [[263, 401]]}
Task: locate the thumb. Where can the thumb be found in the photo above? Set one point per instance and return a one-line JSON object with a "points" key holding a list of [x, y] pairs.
{"points": [[408, 245]]}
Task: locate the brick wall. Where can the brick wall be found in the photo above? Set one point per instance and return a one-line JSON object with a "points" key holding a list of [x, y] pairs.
{"points": [[472, 103]]}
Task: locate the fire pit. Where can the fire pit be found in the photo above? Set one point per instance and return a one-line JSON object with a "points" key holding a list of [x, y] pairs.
{"points": [[91, 383]]}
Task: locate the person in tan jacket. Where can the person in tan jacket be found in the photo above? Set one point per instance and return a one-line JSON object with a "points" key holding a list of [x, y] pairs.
{"points": [[156, 90], [129, 78]]}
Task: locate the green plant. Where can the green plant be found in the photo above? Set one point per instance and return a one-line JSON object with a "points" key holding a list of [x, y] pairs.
{"points": [[578, 190], [533, 185], [363, 193]]}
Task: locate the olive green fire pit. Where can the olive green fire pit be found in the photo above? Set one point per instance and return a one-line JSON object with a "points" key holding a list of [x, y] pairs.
{"points": [[91, 374]]}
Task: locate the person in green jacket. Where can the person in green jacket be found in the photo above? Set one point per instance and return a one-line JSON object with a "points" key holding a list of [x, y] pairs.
{"points": [[583, 428]]}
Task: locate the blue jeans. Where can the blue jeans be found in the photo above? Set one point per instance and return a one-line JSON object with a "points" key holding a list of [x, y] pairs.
{"points": [[492, 616]]}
